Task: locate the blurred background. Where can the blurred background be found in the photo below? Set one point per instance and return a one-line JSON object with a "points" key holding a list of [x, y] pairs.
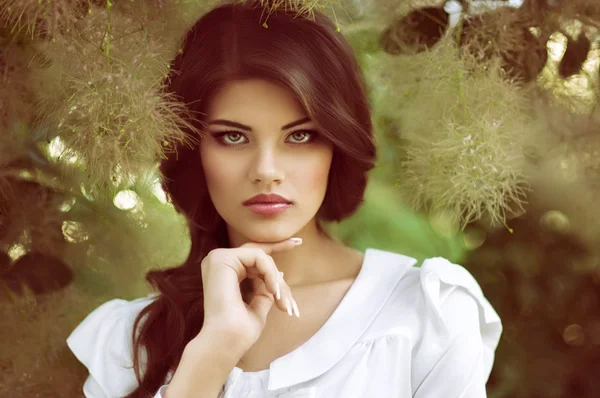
{"points": [[488, 131]]}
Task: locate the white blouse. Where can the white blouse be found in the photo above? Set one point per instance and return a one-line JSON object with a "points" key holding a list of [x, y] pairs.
{"points": [[400, 331]]}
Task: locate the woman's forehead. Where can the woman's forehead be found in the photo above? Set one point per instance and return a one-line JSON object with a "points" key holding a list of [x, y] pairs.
{"points": [[257, 102]]}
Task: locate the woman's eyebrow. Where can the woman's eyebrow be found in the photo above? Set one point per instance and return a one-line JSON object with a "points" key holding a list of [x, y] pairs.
{"points": [[240, 126]]}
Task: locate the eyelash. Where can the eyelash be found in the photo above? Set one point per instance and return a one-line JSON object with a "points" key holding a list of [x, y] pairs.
{"points": [[219, 136]]}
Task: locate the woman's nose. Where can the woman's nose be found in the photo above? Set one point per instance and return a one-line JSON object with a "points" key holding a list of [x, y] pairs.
{"points": [[266, 167]]}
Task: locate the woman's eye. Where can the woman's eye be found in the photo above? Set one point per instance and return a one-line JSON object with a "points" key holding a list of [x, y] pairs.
{"points": [[231, 138], [234, 137], [302, 136]]}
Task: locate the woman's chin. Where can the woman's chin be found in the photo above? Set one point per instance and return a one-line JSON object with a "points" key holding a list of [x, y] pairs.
{"points": [[268, 233], [271, 235], [269, 238]]}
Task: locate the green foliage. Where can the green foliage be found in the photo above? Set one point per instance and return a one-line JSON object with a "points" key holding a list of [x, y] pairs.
{"points": [[100, 89], [384, 222], [463, 149]]}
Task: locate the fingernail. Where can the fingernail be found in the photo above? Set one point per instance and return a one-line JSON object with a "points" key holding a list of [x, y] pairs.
{"points": [[278, 292], [296, 310], [281, 275], [297, 240], [288, 307]]}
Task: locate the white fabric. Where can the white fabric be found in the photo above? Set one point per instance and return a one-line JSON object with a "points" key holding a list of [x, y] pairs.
{"points": [[400, 331]]}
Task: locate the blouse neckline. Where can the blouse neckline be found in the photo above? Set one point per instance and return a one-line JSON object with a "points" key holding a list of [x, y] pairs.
{"points": [[379, 274]]}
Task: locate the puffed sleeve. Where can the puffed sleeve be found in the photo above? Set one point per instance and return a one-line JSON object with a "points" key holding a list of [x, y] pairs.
{"points": [[102, 342], [460, 334]]}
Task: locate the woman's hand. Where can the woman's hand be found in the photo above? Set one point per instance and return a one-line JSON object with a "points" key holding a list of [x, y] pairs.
{"points": [[224, 309]]}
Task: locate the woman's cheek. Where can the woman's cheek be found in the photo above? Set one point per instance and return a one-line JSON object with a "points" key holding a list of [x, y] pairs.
{"points": [[213, 164], [317, 173]]}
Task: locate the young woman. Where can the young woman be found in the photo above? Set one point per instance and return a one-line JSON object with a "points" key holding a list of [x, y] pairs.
{"points": [[267, 303]]}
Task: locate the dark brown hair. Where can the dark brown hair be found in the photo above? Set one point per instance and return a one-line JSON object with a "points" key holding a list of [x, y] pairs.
{"points": [[304, 54]]}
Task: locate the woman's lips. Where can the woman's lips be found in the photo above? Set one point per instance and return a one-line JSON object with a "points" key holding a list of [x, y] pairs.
{"points": [[268, 209]]}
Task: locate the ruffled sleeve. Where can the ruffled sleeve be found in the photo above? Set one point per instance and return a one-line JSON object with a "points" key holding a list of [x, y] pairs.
{"points": [[102, 342], [461, 332]]}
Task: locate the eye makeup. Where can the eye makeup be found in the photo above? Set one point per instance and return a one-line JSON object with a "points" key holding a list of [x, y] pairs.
{"points": [[221, 137]]}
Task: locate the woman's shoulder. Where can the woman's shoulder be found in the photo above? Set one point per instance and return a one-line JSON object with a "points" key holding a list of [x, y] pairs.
{"points": [[439, 310], [103, 343], [441, 286], [109, 321], [430, 299]]}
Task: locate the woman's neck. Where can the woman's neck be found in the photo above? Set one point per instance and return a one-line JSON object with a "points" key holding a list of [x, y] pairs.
{"points": [[318, 259], [314, 261]]}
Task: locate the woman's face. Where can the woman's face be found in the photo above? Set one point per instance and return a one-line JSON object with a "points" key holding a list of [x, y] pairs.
{"points": [[260, 141]]}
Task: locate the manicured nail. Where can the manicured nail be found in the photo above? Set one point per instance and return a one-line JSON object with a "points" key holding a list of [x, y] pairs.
{"points": [[297, 240], [278, 291], [288, 307], [296, 310]]}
